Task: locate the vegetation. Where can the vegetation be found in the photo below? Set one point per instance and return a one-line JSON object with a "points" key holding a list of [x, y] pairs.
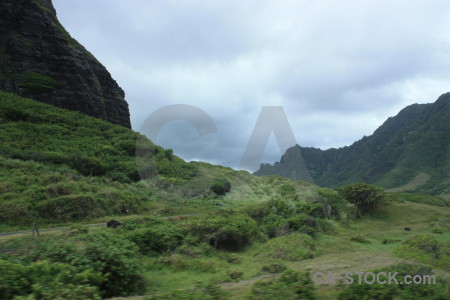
{"points": [[30, 130], [228, 234], [378, 291], [407, 153], [418, 198], [365, 196], [36, 83], [291, 285], [99, 264], [426, 249], [221, 186]]}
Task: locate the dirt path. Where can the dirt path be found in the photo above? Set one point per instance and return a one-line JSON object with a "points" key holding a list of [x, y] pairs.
{"points": [[7, 234]]}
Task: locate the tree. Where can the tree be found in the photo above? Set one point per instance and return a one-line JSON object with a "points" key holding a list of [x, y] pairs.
{"points": [[365, 196]]}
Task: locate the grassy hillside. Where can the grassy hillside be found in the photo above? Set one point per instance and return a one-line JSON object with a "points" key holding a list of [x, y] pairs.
{"points": [[60, 166]]}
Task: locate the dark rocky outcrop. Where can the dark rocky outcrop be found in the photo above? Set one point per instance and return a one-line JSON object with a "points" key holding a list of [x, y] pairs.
{"points": [[40, 60], [113, 224]]}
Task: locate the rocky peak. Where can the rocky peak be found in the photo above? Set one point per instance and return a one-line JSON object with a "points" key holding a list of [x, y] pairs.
{"points": [[40, 60]]}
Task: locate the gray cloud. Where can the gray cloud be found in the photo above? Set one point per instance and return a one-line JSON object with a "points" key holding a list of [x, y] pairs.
{"points": [[339, 68]]}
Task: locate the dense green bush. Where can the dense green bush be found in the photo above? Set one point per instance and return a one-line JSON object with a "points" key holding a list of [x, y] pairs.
{"points": [[290, 285], [231, 232], [288, 191], [311, 209], [426, 249], [102, 252], [48, 281], [364, 196], [220, 186], [377, 291], [302, 223], [157, 238], [335, 206], [274, 225]]}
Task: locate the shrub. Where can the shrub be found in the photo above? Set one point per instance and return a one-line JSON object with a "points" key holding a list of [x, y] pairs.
{"points": [[359, 239], [220, 186], [377, 291], [281, 207], [103, 252], [227, 232], [274, 225], [335, 206], [437, 229], [70, 207], [293, 247], [426, 249], [155, 239], [302, 223], [290, 285], [311, 209], [273, 268], [287, 190], [364, 196], [48, 281]]}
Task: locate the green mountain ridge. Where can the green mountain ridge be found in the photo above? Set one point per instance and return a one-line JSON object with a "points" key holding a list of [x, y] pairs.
{"points": [[414, 143]]}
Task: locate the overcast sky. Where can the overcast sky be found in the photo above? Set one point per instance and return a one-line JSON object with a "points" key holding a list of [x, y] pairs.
{"points": [[338, 68]]}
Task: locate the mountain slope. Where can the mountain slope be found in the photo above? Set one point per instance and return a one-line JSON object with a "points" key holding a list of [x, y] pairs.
{"points": [[58, 165], [40, 60], [414, 144]]}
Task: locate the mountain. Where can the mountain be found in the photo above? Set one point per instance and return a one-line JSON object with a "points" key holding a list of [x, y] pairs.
{"points": [[40, 60], [409, 152]]}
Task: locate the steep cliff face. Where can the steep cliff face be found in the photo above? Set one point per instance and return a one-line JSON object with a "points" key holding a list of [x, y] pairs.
{"points": [[410, 147], [40, 60]]}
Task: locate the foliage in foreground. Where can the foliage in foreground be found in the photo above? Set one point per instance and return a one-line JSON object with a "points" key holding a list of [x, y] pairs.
{"points": [[290, 285], [208, 292], [99, 264], [48, 281], [377, 291]]}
